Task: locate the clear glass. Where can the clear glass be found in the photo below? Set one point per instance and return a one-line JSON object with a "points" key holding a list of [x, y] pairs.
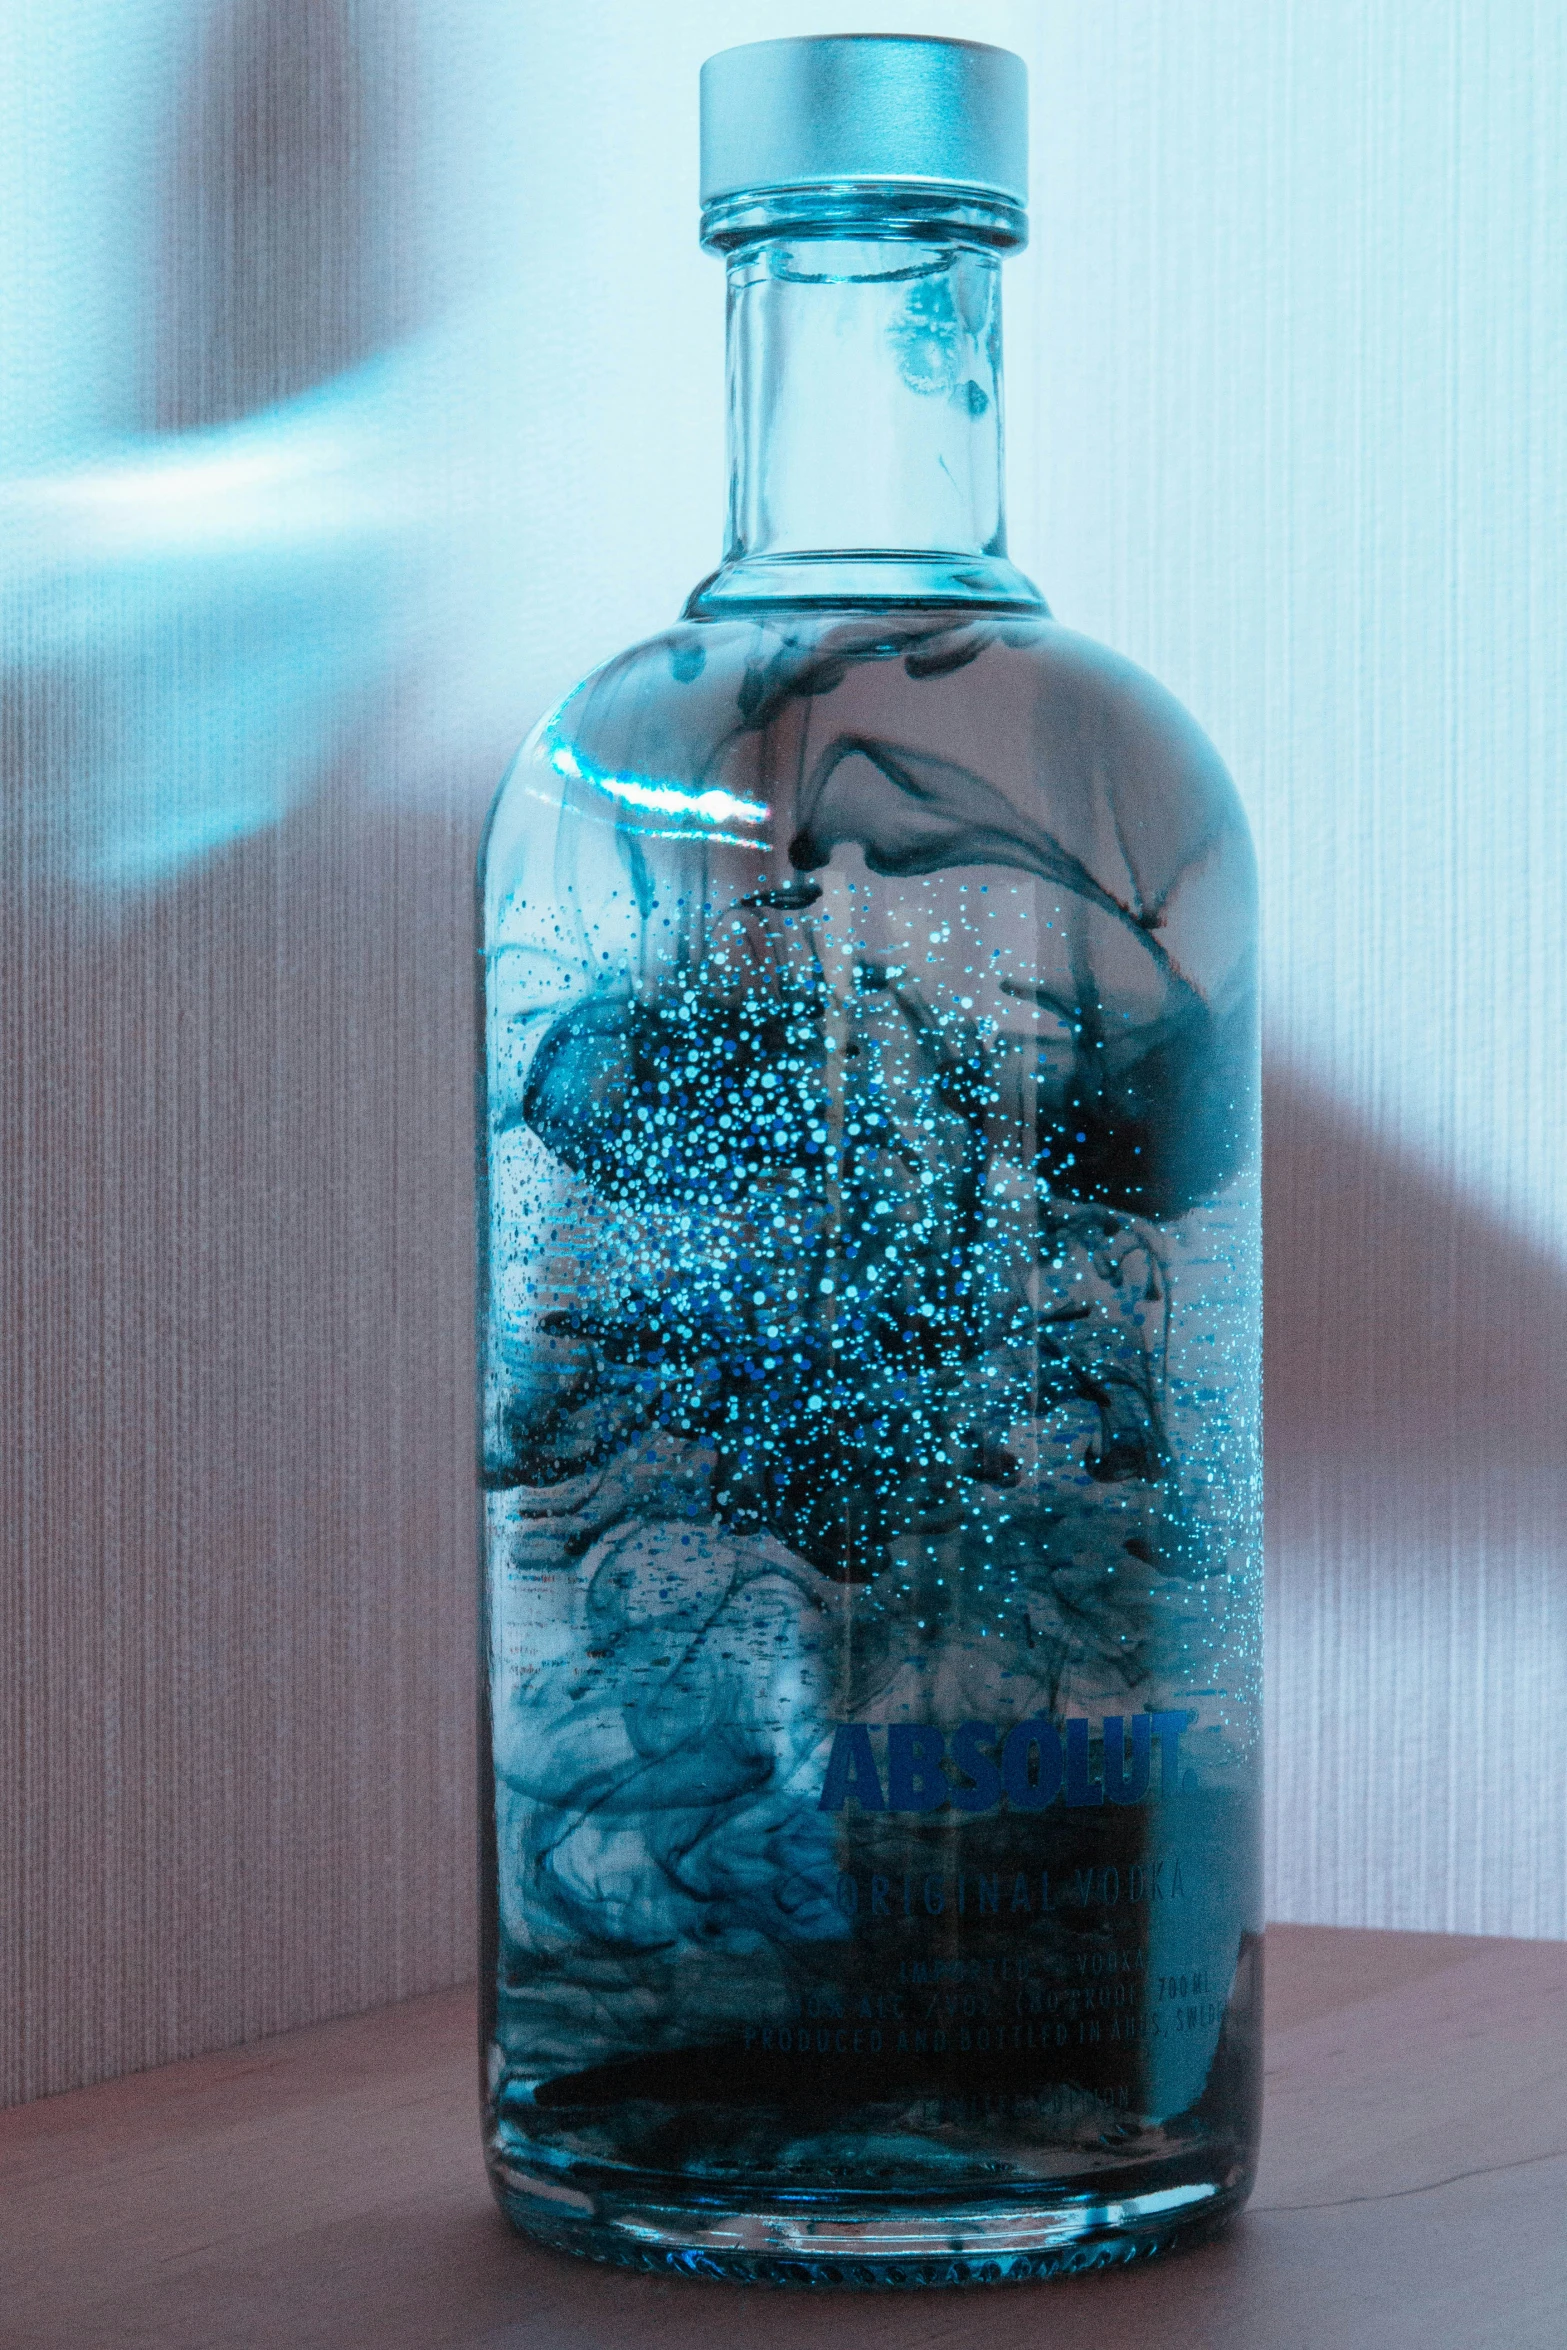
{"points": [[870, 1336]]}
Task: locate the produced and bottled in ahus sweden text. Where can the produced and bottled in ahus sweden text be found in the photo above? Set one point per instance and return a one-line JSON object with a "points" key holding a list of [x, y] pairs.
{"points": [[870, 1322]]}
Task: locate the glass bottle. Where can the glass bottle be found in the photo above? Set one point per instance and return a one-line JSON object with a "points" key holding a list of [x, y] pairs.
{"points": [[870, 1323]]}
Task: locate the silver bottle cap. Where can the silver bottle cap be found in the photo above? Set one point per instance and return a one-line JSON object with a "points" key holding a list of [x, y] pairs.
{"points": [[879, 107]]}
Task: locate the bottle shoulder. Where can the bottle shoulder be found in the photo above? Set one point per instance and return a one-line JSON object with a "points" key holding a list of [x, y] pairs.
{"points": [[1011, 835], [941, 736]]}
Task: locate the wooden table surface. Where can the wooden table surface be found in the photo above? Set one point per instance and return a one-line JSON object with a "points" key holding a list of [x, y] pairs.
{"points": [[325, 2189]]}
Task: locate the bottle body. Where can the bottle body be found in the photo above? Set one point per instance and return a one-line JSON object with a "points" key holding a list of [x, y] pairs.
{"points": [[871, 1360]]}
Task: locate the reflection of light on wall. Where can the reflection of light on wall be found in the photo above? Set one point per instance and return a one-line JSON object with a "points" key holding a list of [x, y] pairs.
{"points": [[198, 625], [312, 470], [193, 625], [211, 610], [397, 569], [1302, 454]]}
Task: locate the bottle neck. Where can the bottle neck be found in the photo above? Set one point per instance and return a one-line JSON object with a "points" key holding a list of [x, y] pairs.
{"points": [[864, 425]]}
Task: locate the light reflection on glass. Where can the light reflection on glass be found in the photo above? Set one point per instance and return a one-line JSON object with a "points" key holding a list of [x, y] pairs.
{"points": [[713, 806]]}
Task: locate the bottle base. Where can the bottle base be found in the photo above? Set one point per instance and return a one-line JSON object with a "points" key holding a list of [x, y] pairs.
{"points": [[901, 2246]]}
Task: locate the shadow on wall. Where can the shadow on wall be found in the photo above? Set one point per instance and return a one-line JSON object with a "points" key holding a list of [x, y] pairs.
{"points": [[236, 1634], [240, 1641], [235, 1662], [289, 219], [236, 1644], [1417, 1540], [1413, 1340]]}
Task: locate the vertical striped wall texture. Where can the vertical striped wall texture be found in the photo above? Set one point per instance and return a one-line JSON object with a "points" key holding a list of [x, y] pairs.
{"points": [[236, 1487], [1304, 453], [1288, 419], [236, 1660]]}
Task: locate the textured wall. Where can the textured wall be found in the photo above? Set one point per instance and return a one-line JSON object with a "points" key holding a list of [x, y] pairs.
{"points": [[236, 1623], [346, 419], [1305, 454], [235, 1666]]}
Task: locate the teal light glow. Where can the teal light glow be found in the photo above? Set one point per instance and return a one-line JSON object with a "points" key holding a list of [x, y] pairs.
{"points": [[712, 806]]}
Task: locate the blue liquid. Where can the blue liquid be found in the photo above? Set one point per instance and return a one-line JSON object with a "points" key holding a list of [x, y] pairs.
{"points": [[871, 1431]]}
